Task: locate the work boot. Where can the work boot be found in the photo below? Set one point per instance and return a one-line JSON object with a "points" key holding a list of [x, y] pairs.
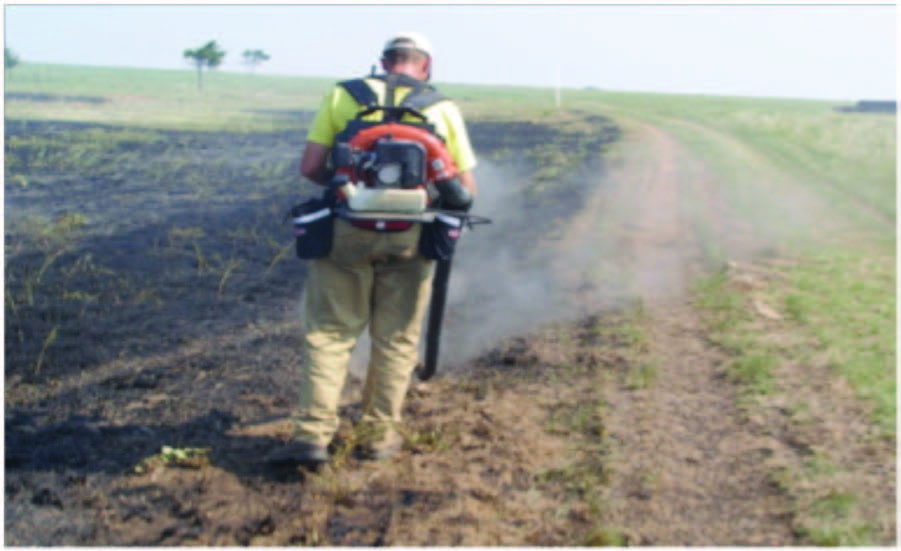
{"points": [[298, 453], [380, 444]]}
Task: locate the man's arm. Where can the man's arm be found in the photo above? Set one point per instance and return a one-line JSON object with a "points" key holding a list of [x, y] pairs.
{"points": [[321, 135], [313, 163], [459, 145]]}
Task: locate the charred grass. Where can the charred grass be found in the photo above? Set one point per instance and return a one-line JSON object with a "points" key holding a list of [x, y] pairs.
{"points": [[150, 295], [110, 247]]}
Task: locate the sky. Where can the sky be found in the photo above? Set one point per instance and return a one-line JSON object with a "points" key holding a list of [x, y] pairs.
{"points": [[835, 52]]}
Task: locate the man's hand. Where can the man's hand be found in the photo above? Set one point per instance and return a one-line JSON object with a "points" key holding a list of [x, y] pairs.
{"points": [[313, 163], [454, 195], [468, 181]]}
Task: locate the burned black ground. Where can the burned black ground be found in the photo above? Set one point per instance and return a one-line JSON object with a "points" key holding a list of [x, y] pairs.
{"points": [[150, 298]]}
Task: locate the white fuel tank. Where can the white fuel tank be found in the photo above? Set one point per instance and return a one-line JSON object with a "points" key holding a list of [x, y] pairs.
{"points": [[364, 199]]}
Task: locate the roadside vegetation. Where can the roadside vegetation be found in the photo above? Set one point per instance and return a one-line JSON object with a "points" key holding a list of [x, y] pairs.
{"points": [[825, 308]]}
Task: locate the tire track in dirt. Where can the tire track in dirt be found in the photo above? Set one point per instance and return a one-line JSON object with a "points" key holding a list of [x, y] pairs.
{"points": [[688, 470]]}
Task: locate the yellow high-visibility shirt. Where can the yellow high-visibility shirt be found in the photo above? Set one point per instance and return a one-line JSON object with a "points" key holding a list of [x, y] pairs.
{"points": [[338, 108]]}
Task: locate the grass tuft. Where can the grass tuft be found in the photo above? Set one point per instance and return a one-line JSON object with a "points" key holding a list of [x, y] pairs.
{"points": [[605, 537], [755, 370], [48, 342]]}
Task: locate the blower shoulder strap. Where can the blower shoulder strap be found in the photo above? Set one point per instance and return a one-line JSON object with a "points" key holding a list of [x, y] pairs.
{"points": [[360, 91], [423, 100], [422, 95]]}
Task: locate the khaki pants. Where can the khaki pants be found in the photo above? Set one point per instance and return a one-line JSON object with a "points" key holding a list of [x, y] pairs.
{"points": [[370, 277]]}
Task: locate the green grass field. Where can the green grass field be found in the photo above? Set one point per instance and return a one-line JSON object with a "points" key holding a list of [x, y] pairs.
{"points": [[835, 296]]}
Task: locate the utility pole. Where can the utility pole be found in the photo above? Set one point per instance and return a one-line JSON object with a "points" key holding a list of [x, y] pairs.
{"points": [[557, 89]]}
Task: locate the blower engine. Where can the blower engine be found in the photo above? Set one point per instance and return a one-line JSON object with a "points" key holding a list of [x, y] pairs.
{"points": [[407, 163]]}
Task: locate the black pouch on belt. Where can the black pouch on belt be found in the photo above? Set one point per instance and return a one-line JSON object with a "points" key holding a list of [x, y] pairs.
{"points": [[314, 227], [439, 237]]}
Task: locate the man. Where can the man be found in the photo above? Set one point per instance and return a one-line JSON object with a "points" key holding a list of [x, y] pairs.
{"points": [[370, 277]]}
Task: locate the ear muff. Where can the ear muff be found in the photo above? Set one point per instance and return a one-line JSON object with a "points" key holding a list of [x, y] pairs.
{"points": [[428, 77]]}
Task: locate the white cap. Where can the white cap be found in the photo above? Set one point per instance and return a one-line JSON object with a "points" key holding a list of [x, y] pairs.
{"points": [[409, 40]]}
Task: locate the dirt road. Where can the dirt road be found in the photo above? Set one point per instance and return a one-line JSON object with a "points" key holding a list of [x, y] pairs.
{"points": [[693, 462], [689, 469]]}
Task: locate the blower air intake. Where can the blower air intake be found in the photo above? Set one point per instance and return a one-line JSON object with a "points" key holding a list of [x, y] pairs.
{"points": [[401, 164]]}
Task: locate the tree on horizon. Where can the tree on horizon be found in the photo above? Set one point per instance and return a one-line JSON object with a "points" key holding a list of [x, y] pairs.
{"points": [[10, 58], [254, 57], [210, 55]]}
